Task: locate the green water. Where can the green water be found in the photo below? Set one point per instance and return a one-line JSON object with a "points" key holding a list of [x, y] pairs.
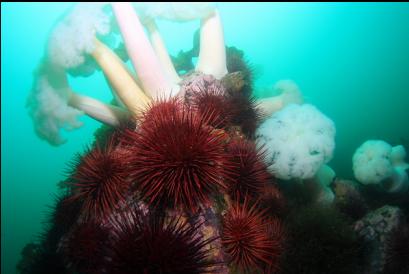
{"points": [[350, 60]]}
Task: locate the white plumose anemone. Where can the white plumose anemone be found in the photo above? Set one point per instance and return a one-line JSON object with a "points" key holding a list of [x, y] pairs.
{"points": [[73, 37], [82, 42], [299, 139], [287, 92], [377, 162], [372, 162]]}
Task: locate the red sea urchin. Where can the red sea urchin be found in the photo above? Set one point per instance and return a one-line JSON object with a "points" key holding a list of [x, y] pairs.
{"points": [[100, 180], [273, 200], [250, 239], [152, 243], [176, 159], [245, 113], [249, 174], [212, 103], [62, 216], [277, 235], [85, 248]]}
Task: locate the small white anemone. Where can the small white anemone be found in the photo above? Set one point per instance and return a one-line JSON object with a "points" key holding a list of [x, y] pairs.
{"points": [[299, 139], [377, 162], [372, 162]]}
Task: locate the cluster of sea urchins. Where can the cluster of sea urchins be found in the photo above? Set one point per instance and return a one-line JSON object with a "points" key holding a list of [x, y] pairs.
{"points": [[143, 199]]}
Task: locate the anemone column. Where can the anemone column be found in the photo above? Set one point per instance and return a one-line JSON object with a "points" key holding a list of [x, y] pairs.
{"points": [[141, 53]]}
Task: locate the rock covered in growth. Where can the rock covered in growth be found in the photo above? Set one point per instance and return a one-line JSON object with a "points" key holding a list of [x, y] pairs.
{"points": [[196, 82], [322, 241], [237, 62], [375, 228], [397, 251], [210, 229], [348, 198], [234, 82]]}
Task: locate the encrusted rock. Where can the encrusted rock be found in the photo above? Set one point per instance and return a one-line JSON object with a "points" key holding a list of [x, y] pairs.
{"points": [[348, 198], [234, 82], [198, 82], [375, 227], [210, 229]]}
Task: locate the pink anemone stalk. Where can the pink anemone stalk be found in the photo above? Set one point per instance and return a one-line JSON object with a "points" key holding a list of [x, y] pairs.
{"points": [[140, 51]]}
